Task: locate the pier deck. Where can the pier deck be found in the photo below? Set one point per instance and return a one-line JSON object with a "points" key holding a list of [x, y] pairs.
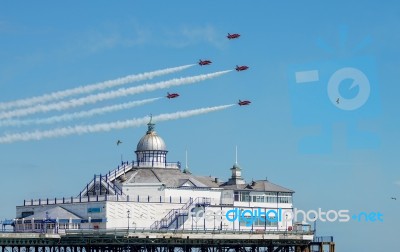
{"points": [[157, 241]]}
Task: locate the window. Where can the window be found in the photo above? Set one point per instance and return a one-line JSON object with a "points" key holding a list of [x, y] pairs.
{"points": [[271, 221], [94, 210], [258, 199], [285, 199], [245, 222], [76, 226], [271, 199], [258, 222], [245, 196], [236, 195], [50, 226], [26, 214]]}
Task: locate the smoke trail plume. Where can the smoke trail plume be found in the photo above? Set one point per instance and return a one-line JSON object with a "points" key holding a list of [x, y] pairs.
{"points": [[77, 115], [89, 88], [109, 95], [84, 129]]}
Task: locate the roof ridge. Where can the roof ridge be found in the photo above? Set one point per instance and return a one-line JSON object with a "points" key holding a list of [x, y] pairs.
{"points": [[155, 175], [275, 185], [70, 211]]}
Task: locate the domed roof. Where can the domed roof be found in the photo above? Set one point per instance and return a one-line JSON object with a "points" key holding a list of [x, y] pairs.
{"points": [[151, 141]]}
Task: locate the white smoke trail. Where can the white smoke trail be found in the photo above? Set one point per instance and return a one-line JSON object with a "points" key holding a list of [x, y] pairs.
{"points": [[76, 115], [89, 88], [84, 129], [109, 95]]}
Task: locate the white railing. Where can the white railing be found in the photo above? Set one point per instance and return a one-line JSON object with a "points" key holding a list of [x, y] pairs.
{"points": [[125, 167], [171, 216], [125, 231], [107, 197], [95, 198], [170, 165]]}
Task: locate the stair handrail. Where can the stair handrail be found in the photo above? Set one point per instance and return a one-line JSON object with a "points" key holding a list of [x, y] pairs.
{"points": [[171, 215]]}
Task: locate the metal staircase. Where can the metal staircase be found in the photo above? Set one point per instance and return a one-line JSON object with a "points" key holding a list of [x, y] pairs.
{"points": [[107, 181], [121, 169], [97, 183], [174, 214]]}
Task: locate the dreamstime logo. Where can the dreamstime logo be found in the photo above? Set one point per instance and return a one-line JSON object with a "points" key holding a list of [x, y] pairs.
{"points": [[359, 79], [342, 89], [285, 216]]}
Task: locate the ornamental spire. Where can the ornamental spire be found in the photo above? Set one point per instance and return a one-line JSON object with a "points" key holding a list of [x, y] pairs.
{"points": [[150, 125]]}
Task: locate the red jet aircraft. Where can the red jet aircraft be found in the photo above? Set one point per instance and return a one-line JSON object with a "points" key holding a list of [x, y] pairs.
{"points": [[204, 62], [171, 96], [241, 68], [233, 36], [243, 103]]}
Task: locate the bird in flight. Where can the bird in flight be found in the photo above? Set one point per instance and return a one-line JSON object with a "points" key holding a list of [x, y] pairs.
{"points": [[393, 198]]}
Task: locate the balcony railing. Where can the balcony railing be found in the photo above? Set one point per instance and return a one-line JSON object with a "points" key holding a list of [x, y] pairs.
{"points": [[106, 197]]}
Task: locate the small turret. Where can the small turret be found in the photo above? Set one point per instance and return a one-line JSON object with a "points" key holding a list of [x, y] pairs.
{"points": [[236, 178]]}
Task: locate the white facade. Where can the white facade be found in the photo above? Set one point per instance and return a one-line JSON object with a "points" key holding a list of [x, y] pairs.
{"points": [[158, 195]]}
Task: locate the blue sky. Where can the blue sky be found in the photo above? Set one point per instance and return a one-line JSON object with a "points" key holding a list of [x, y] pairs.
{"points": [[291, 133]]}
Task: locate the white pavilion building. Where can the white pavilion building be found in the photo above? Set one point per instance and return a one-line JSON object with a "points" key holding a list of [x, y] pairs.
{"points": [[151, 193]]}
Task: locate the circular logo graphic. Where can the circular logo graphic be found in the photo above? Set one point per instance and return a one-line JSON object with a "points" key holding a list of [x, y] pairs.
{"points": [[359, 79]]}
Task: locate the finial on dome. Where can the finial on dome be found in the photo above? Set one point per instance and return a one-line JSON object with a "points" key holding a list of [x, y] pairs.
{"points": [[150, 125]]}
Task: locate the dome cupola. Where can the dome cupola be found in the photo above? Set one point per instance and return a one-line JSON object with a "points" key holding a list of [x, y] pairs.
{"points": [[151, 150], [151, 141]]}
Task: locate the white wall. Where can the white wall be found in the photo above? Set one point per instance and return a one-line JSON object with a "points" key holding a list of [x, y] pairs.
{"points": [[144, 191], [142, 214], [184, 195]]}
